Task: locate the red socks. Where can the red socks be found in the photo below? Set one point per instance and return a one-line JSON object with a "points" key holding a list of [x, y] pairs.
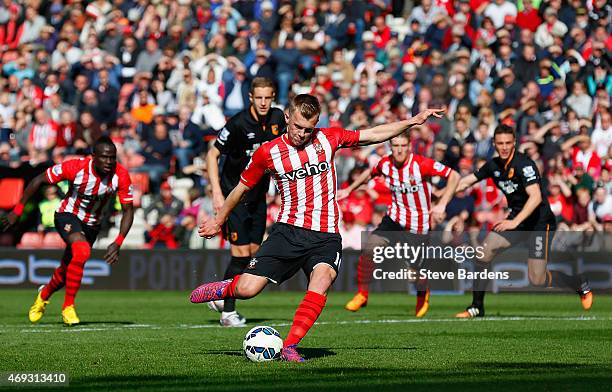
{"points": [[365, 266], [80, 253], [230, 290], [307, 313], [57, 282]]}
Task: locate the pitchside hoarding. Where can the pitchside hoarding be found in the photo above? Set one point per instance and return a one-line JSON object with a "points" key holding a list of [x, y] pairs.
{"points": [[449, 268]]}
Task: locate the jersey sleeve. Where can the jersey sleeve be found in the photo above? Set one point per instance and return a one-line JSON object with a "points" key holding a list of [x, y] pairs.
{"points": [[432, 168], [124, 188], [64, 171], [226, 138], [255, 169], [485, 171], [528, 173], [347, 138]]}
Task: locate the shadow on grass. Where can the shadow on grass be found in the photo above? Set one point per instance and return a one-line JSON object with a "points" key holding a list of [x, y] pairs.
{"points": [[253, 322], [309, 353], [523, 376]]}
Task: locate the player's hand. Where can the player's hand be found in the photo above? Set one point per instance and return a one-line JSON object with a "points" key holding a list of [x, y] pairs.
{"points": [[112, 253], [342, 194], [8, 220], [438, 213], [209, 228], [425, 114], [218, 201], [505, 225]]}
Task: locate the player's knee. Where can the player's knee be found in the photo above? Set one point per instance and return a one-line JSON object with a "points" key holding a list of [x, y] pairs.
{"points": [[322, 277], [81, 250], [537, 279], [247, 289]]}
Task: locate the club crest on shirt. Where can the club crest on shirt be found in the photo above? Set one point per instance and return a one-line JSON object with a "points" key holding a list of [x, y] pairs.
{"points": [[68, 227], [496, 173], [251, 135], [252, 264], [274, 129], [511, 172], [318, 148], [234, 236]]}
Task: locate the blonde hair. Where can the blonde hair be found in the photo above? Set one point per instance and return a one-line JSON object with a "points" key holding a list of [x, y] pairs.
{"points": [[308, 105]]}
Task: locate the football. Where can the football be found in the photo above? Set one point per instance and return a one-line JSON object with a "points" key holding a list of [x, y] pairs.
{"points": [[262, 344]]}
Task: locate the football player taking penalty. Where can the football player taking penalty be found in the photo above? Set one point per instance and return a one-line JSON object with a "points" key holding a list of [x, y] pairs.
{"points": [[305, 236]]}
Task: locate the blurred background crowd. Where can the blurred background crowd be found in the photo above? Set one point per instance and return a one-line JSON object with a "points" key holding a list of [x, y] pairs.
{"points": [[160, 77]]}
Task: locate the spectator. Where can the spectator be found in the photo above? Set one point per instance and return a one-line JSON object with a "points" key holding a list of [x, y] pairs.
{"points": [[47, 209], [158, 154]]}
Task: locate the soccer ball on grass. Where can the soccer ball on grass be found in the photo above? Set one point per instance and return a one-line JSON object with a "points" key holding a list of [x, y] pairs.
{"points": [[262, 344]]}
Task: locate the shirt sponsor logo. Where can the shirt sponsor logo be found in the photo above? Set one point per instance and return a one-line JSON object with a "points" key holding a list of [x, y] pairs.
{"points": [[406, 188], [508, 187], [309, 169], [438, 166]]}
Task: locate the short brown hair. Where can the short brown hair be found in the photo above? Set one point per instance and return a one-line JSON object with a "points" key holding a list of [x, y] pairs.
{"points": [[262, 82], [504, 129], [307, 104]]}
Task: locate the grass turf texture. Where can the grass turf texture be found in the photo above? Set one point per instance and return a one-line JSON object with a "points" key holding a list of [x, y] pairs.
{"points": [[149, 341]]}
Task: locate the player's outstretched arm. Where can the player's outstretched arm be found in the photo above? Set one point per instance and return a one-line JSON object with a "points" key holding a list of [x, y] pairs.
{"points": [[466, 182], [384, 132], [212, 166], [210, 227], [363, 177], [438, 212], [127, 218], [11, 218], [534, 200]]}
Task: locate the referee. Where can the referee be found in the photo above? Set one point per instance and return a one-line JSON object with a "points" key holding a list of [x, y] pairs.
{"points": [[236, 143], [530, 222]]}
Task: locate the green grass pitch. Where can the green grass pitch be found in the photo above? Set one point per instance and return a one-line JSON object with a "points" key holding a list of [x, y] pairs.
{"points": [[158, 341]]}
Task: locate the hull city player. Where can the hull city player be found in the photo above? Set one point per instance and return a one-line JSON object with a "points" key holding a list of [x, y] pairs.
{"points": [[530, 222], [245, 227], [93, 183], [410, 211], [306, 233]]}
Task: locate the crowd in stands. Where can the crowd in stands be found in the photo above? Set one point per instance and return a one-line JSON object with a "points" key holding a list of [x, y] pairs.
{"points": [[160, 77]]}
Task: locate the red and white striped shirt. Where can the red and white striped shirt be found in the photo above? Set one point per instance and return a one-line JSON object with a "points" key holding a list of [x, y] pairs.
{"points": [[40, 134], [88, 193], [304, 176], [410, 192]]}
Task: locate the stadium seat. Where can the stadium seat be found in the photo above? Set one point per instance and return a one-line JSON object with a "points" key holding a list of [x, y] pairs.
{"points": [[31, 241], [53, 241], [140, 181], [11, 190]]}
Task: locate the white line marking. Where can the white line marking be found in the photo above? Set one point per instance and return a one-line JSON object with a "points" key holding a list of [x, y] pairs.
{"points": [[48, 328]]}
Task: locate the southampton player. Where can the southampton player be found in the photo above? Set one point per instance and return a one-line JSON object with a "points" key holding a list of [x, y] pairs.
{"points": [[306, 233], [530, 221], [237, 142], [410, 210], [93, 182]]}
